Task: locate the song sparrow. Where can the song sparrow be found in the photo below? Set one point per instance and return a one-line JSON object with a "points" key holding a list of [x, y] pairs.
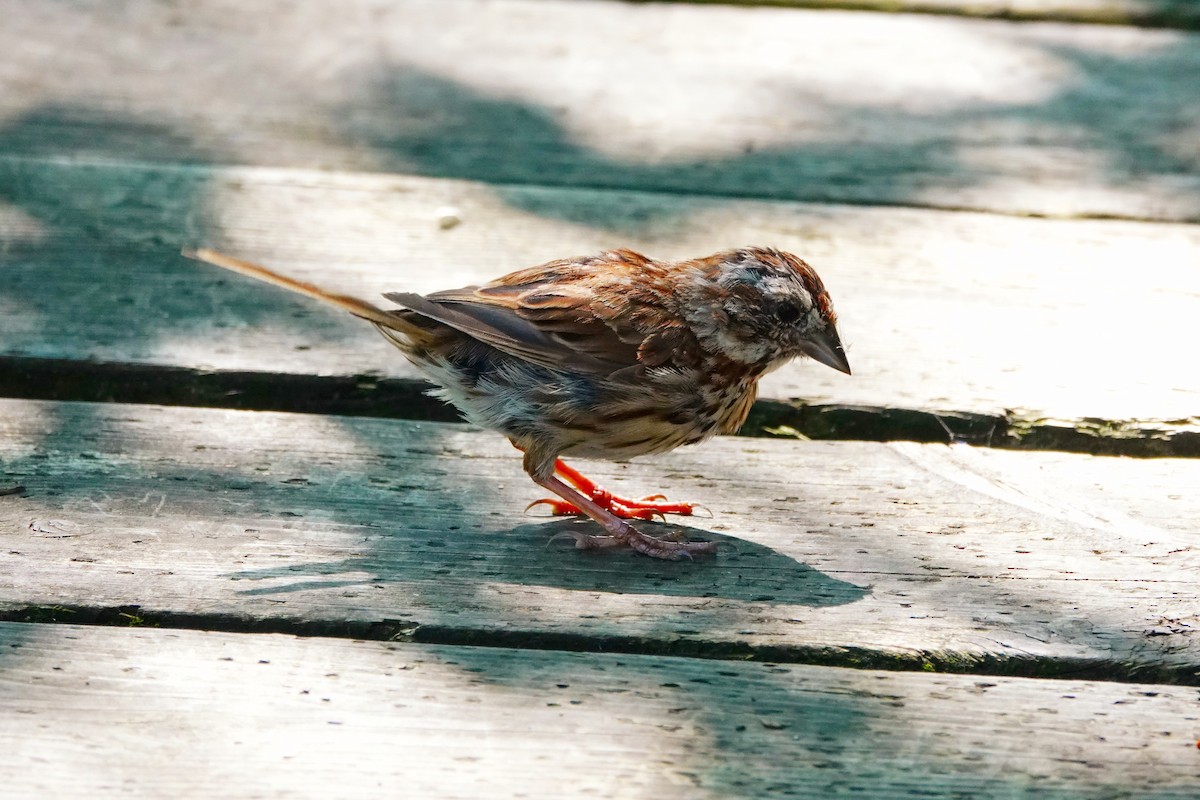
{"points": [[608, 356]]}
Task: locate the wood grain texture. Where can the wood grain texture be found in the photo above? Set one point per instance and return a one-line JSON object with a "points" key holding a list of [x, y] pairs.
{"points": [[1033, 118], [145, 713], [940, 311], [904, 556]]}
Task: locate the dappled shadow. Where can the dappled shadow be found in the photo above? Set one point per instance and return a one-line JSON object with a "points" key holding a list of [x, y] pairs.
{"points": [[1101, 120], [455, 131], [105, 239], [387, 485], [316, 526], [91, 258], [1106, 108], [768, 730], [13, 636], [941, 156], [742, 570], [348, 520]]}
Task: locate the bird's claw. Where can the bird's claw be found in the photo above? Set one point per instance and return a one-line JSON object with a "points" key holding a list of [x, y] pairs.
{"points": [[558, 508]]}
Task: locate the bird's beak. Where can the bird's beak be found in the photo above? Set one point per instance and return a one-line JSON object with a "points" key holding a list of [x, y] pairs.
{"points": [[826, 347]]}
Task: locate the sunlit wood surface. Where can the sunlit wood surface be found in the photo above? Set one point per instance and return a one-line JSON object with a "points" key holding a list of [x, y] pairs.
{"points": [[999, 601]]}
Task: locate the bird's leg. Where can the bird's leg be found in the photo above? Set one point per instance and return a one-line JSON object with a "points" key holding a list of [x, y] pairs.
{"points": [[646, 508], [620, 533]]}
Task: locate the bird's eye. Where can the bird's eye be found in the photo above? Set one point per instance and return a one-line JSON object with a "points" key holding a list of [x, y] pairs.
{"points": [[787, 313]]}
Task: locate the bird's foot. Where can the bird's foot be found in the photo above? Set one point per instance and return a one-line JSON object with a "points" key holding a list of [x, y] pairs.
{"points": [[646, 508], [656, 505], [618, 531]]}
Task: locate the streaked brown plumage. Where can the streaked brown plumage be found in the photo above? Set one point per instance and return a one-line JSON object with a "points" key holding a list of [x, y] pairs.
{"points": [[608, 356]]}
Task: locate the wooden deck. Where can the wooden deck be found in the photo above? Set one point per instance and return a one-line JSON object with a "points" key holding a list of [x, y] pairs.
{"points": [[241, 554]]}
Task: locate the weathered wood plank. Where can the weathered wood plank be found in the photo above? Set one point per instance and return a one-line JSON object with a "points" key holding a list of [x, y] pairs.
{"points": [[851, 553], [149, 713], [829, 106], [940, 311]]}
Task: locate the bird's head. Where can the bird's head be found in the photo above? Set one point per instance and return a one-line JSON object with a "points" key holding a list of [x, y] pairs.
{"points": [[759, 305]]}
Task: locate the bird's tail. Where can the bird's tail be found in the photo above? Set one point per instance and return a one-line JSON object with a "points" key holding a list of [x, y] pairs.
{"points": [[357, 307]]}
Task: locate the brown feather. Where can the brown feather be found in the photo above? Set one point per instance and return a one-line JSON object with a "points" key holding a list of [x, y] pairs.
{"points": [[500, 327], [357, 307], [598, 312]]}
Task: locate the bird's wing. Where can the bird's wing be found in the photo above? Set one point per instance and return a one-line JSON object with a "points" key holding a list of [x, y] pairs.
{"points": [[502, 327], [563, 315], [598, 314]]}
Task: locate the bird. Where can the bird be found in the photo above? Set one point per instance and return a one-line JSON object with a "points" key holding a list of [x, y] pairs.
{"points": [[607, 356]]}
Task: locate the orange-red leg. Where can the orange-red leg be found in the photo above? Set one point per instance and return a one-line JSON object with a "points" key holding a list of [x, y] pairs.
{"points": [[619, 533], [646, 508]]}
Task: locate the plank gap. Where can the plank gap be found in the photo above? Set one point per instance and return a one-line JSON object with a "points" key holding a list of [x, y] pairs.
{"points": [[399, 398], [409, 631]]}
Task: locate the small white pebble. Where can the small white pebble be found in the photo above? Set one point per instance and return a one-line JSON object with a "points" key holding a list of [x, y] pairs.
{"points": [[448, 217]]}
